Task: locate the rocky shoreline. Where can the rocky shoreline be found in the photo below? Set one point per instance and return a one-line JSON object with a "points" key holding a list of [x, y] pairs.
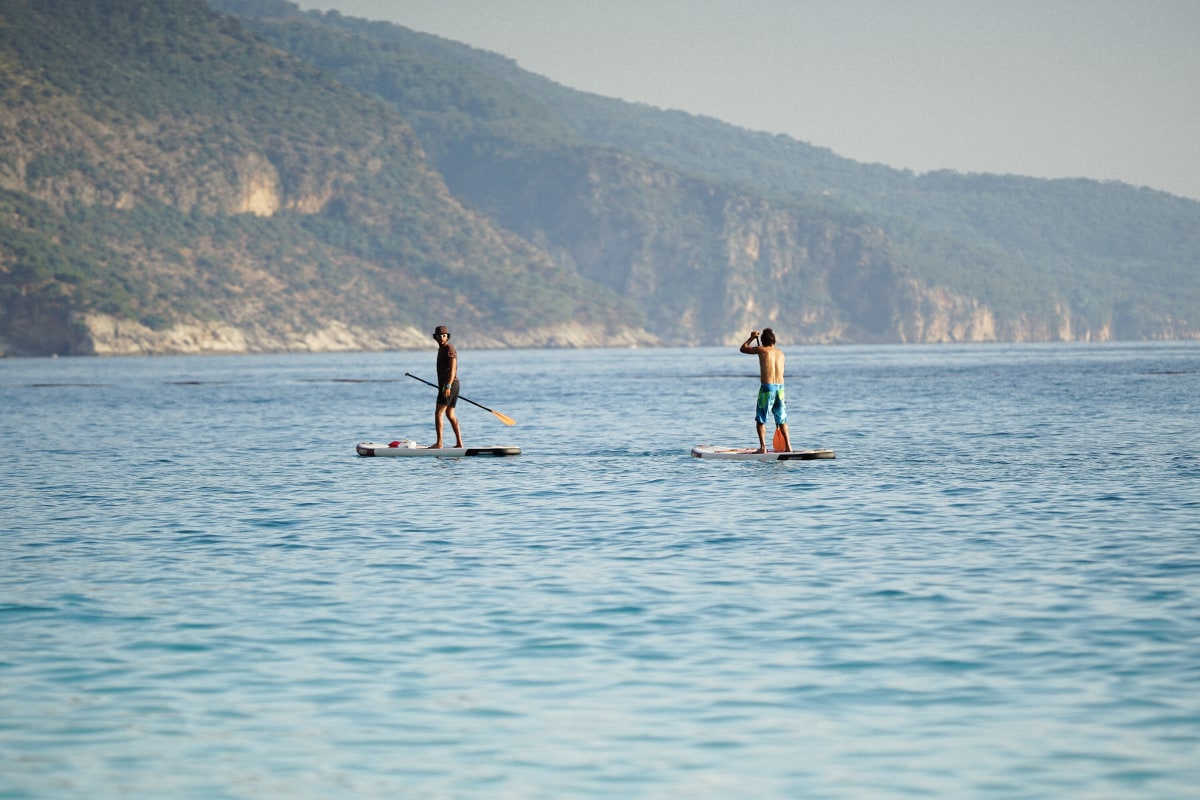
{"points": [[106, 335]]}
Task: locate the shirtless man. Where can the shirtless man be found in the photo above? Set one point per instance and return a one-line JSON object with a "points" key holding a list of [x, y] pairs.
{"points": [[770, 392]]}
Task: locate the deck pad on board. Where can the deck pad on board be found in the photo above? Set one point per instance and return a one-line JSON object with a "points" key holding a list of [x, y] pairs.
{"points": [[749, 454], [404, 448]]}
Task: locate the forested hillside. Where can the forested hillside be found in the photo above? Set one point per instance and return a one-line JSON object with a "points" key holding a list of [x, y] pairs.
{"points": [[170, 182], [178, 176]]}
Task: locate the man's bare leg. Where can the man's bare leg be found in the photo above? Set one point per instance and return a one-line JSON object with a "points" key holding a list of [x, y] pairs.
{"points": [[438, 413], [787, 439], [453, 417], [762, 437]]}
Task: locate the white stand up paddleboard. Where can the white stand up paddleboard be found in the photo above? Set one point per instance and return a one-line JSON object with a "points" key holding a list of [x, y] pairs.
{"points": [[405, 448], [749, 454]]}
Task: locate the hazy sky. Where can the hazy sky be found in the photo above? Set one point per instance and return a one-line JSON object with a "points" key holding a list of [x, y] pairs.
{"points": [[1103, 89]]}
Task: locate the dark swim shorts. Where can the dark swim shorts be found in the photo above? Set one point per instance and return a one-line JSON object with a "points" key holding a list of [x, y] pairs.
{"points": [[452, 400]]}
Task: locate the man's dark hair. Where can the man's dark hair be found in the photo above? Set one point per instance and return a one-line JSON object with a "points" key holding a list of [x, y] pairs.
{"points": [[768, 337]]}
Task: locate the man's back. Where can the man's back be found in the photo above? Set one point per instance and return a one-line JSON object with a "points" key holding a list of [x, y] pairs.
{"points": [[770, 364]]}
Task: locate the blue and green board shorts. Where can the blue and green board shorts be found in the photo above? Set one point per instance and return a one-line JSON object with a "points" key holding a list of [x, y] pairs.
{"points": [[770, 398]]}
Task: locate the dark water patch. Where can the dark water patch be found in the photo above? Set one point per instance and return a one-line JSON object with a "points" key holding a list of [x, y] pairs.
{"points": [[170, 646], [17, 609], [61, 385]]}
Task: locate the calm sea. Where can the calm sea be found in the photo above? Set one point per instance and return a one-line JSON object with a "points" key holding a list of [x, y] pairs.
{"points": [[993, 592]]}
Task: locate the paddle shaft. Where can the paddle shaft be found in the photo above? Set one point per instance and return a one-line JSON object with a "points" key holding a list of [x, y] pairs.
{"points": [[506, 420]]}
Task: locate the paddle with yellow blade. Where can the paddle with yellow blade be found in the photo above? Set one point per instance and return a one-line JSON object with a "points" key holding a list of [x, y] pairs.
{"points": [[503, 418]]}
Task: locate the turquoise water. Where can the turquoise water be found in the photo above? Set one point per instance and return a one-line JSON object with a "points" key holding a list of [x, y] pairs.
{"points": [[993, 592]]}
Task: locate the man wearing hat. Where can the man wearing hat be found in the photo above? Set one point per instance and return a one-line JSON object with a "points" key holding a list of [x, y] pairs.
{"points": [[447, 399]]}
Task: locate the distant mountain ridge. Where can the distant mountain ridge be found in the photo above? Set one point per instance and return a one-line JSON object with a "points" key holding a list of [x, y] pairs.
{"points": [[177, 180], [1062, 259]]}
